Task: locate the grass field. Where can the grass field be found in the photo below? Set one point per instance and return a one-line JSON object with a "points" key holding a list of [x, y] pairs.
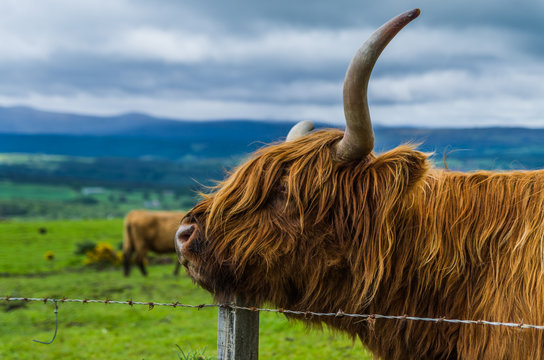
{"points": [[50, 202], [98, 331]]}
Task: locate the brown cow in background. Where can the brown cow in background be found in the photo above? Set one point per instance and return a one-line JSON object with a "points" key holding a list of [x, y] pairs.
{"points": [[322, 223], [149, 231]]}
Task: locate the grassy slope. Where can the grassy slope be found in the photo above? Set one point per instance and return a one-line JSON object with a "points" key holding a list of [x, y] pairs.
{"points": [[119, 331], [38, 201], [36, 192]]}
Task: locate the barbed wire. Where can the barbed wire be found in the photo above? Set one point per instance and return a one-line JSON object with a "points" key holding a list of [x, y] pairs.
{"points": [[151, 304], [306, 314]]}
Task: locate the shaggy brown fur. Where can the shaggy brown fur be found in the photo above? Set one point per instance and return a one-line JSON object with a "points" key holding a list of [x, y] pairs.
{"points": [[388, 234], [149, 231]]}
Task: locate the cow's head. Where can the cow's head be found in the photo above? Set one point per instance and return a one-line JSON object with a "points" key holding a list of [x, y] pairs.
{"points": [[281, 227]]}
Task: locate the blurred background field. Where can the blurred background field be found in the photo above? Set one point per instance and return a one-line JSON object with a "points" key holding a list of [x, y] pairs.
{"points": [[39, 201]]}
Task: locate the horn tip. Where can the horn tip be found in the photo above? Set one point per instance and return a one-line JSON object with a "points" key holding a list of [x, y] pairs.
{"points": [[412, 14], [300, 129]]}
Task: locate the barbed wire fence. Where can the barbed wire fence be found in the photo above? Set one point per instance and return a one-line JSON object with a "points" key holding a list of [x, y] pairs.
{"points": [[238, 323]]}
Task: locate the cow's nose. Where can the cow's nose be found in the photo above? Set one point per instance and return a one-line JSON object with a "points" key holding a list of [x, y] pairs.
{"points": [[184, 233], [182, 237]]}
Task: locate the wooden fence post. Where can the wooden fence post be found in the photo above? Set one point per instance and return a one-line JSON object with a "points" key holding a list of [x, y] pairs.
{"points": [[237, 333]]}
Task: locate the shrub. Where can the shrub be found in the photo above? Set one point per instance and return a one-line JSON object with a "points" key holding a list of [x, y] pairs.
{"points": [[83, 246], [103, 255]]}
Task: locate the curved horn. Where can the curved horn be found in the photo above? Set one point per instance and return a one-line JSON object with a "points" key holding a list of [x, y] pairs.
{"points": [[358, 140], [300, 129]]}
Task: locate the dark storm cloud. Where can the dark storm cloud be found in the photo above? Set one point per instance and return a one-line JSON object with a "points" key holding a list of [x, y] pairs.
{"points": [[463, 63], [524, 15]]}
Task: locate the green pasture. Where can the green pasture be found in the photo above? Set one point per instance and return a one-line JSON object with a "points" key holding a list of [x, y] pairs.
{"points": [[99, 331], [49, 202], [10, 190]]}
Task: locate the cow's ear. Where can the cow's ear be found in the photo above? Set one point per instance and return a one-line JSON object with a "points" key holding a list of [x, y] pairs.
{"points": [[399, 170]]}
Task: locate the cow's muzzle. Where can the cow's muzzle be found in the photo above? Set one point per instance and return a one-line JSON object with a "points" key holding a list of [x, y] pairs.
{"points": [[184, 237]]}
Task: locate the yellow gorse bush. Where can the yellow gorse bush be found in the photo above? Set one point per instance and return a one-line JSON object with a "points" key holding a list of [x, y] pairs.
{"points": [[103, 254]]}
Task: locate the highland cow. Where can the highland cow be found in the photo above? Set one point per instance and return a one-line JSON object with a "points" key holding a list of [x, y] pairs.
{"points": [[322, 223], [148, 231]]}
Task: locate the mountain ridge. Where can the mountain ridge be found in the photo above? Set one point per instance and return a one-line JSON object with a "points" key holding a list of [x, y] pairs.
{"points": [[31, 121]]}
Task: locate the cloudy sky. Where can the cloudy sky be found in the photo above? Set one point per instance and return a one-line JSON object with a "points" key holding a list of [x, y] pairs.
{"points": [[461, 63]]}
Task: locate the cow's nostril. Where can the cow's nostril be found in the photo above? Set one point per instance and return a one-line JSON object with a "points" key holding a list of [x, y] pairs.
{"points": [[184, 232]]}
